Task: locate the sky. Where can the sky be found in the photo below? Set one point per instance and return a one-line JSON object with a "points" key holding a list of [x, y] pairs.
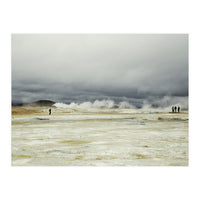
{"points": [[136, 68]]}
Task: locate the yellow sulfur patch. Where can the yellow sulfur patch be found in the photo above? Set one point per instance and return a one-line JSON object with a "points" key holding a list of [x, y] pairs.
{"points": [[141, 156], [24, 156], [75, 141]]}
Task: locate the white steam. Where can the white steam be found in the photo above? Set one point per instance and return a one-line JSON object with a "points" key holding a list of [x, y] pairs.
{"points": [[125, 104], [95, 104], [162, 105]]}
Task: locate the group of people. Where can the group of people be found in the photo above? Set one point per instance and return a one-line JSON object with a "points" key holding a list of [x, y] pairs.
{"points": [[174, 108]]}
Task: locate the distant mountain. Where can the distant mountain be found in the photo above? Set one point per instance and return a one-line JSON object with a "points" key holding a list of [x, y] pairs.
{"points": [[38, 103]]}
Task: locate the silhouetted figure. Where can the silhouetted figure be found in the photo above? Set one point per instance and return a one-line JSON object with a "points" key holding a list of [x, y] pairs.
{"points": [[49, 111], [179, 109], [172, 108], [175, 108]]}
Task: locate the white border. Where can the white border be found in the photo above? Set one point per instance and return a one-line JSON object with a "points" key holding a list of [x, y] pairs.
{"points": [[89, 16]]}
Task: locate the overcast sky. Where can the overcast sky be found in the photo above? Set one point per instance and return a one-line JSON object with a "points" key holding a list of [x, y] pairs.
{"points": [[66, 67]]}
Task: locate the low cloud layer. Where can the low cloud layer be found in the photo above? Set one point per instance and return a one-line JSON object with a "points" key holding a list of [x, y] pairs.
{"points": [[81, 67]]}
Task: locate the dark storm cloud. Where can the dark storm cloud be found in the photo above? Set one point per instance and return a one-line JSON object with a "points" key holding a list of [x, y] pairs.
{"points": [[67, 66]]}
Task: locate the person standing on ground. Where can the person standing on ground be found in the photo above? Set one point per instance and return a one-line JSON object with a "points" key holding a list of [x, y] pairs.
{"points": [[172, 108], [179, 109], [175, 108], [49, 111]]}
